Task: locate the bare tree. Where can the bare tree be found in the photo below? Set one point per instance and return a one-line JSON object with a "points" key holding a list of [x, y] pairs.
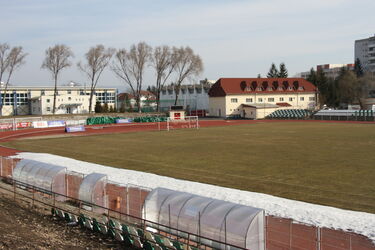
{"points": [[4, 62], [10, 62], [57, 58], [164, 63], [187, 65], [97, 59], [129, 66]]}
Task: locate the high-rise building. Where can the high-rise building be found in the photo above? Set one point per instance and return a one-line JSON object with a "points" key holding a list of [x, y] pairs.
{"points": [[365, 51]]}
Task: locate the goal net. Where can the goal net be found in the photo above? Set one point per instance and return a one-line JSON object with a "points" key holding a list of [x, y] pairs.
{"points": [[7, 124], [186, 122], [26, 122]]}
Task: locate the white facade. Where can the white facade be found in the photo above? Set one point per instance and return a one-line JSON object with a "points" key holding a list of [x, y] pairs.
{"points": [[191, 97], [69, 104], [231, 105], [364, 49], [39, 100]]}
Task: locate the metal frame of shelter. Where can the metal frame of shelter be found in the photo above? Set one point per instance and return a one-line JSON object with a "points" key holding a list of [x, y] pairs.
{"points": [[221, 221], [42, 175]]}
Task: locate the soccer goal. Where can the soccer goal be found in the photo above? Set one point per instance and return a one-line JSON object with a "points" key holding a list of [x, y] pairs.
{"points": [[186, 122], [26, 122], [7, 124]]}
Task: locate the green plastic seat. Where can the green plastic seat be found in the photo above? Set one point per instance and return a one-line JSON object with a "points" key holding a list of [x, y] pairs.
{"points": [[128, 240], [178, 245], [140, 232], [68, 217], [147, 246], [125, 229], [111, 232]]}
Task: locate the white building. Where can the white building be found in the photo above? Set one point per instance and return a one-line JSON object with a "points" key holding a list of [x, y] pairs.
{"points": [[364, 49], [191, 97], [128, 101], [39, 100], [255, 98]]}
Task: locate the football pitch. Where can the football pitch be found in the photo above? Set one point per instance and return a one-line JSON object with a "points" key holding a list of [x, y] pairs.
{"points": [[324, 163]]}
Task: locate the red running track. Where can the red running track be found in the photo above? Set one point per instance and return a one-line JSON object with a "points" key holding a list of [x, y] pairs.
{"points": [[132, 127]]}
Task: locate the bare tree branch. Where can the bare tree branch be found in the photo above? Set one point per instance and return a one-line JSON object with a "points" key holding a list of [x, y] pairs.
{"points": [[57, 58], [163, 61], [129, 66], [13, 60], [187, 65], [4, 56], [97, 59]]}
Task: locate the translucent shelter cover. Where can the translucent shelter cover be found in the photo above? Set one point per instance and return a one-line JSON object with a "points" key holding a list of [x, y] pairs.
{"points": [[93, 189], [41, 175], [218, 220]]}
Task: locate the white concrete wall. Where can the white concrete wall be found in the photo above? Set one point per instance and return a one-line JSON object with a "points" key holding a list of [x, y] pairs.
{"points": [[296, 100], [217, 106]]}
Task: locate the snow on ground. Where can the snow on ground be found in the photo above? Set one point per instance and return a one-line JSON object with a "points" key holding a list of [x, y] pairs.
{"points": [[321, 216]]}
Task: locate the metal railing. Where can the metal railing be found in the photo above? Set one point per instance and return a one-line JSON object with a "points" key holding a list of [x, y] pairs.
{"points": [[81, 208]]}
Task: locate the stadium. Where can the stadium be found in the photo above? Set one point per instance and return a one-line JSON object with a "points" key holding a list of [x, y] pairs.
{"points": [[160, 183]]}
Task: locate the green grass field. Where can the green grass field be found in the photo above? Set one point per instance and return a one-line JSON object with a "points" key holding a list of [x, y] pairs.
{"points": [[324, 163]]}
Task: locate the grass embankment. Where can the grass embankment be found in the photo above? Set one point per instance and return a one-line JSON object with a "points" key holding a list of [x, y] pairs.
{"points": [[330, 164]]}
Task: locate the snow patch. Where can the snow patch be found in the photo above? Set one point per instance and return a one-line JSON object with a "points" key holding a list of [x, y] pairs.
{"points": [[317, 215]]}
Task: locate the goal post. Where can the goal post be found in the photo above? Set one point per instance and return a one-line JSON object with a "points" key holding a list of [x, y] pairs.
{"points": [[186, 122]]}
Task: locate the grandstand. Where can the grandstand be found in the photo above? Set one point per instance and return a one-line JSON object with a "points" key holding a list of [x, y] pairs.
{"points": [[290, 114]]}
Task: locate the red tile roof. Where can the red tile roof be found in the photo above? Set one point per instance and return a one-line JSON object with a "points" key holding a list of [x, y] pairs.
{"points": [[231, 86], [283, 104]]}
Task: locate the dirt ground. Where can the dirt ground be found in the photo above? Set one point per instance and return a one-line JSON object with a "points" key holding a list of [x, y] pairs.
{"points": [[22, 227]]}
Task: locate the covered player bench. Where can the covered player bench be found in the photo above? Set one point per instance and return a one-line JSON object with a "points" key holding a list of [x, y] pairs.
{"points": [[215, 220], [43, 176]]}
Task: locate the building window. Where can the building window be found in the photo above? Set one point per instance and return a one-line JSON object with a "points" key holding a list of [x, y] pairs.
{"points": [[48, 100], [69, 98], [69, 92], [271, 99], [48, 108], [233, 100], [302, 98], [249, 99], [42, 92], [260, 99], [311, 98], [281, 99], [290, 99]]}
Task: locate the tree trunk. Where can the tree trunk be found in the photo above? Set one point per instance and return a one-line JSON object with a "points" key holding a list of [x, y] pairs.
{"points": [[158, 101], [90, 101], [177, 92], [139, 103], [54, 96]]}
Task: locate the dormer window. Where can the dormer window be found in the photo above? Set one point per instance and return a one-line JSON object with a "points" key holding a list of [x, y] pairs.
{"points": [[301, 88]]}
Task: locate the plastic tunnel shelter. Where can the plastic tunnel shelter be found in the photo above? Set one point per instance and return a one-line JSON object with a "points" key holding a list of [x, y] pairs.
{"points": [[211, 220], [47, 177], [93, 190]]}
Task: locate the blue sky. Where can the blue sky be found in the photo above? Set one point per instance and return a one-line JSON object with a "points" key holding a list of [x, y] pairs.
{"points": [[235, 38]]}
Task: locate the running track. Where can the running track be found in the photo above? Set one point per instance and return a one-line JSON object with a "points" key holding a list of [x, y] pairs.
{"points": [[132, 127]]}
